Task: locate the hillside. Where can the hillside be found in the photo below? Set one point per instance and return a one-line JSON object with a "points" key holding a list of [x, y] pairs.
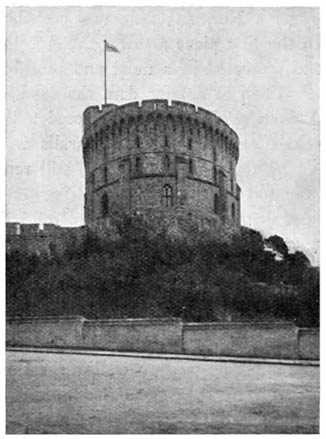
{"points": [[152, 275]]}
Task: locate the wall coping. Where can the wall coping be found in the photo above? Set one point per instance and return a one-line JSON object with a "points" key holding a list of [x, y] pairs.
{"points": [[308, 331], [131, 322], [228, 325], [160, 321], [45, 319]]}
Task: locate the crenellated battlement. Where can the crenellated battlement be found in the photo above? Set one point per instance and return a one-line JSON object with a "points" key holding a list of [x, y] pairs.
{"points": [[33, 230], [47, 238], [96, 117]]}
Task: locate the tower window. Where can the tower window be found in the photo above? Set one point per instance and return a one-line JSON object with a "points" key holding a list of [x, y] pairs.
{"points": [[166, 141], [232, 185], [233, 211], [190, 144], [104, 205], [167, 195], [221, 179], [215, 175], [216, 204], [138, 165], [167, 162], [191, 167], [137, 142], [214, 153], [105, 174]]}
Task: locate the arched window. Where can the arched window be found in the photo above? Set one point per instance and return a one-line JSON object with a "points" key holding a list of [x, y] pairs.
{"points": [[232, 185], [216, 204], [233, 211], [104, 205], [137, 142], [105, 174], [167, 195], [190, 144], [214, 153], [138, 165], [166, 142]]}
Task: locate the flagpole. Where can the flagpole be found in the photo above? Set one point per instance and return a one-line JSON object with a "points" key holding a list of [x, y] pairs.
{"points": [[105, 94]]}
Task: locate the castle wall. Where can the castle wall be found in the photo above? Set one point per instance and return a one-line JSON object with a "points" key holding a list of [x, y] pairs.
{"points": [[49, 240], [131, 152]]}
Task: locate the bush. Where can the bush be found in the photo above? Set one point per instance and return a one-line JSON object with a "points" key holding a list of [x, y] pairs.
{"points": [[144, 275]]}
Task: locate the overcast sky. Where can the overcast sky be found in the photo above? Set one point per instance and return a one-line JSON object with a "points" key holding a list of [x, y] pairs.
{"points": [[258, 69]]}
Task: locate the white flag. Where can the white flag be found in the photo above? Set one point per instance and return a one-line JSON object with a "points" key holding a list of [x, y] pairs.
{"points": [[110, 48]]}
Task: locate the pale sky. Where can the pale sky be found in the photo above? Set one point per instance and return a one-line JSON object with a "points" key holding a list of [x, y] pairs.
{"points": [[258, 69]]}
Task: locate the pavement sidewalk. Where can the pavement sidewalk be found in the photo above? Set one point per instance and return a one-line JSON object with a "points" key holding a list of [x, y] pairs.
{"points": [[76, 351]]}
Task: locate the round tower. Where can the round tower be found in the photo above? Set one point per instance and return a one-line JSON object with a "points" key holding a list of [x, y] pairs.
{"points": [[161, 161]]}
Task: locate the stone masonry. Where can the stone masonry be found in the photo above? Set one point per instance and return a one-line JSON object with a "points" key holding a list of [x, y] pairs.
{"points": [[160, 161]]}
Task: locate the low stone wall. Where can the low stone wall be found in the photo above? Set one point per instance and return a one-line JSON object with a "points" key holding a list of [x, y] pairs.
{"points": [[142, 335], [45, 331], [263, 340], [236, 339], [308, 340]]}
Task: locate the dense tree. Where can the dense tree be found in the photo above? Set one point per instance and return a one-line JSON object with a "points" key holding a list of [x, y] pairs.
{"points": [[278, 244], [142, 274]]}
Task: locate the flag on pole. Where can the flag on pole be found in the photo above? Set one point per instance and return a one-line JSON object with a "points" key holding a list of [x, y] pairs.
{"points": [[110, 48]]}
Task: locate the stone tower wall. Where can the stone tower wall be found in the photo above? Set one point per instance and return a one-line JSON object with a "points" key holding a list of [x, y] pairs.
{"points": [[154, 158]]}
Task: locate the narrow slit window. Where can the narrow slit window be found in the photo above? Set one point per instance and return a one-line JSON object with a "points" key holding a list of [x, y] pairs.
{"points": [[233, 211], [167, 162], [216, 204], [167, 195], [191, 167], [104, 205], [215, 175], [138, 165]]}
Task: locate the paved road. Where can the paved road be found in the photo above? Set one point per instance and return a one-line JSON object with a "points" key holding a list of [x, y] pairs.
{"points": [[81, 394]]}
